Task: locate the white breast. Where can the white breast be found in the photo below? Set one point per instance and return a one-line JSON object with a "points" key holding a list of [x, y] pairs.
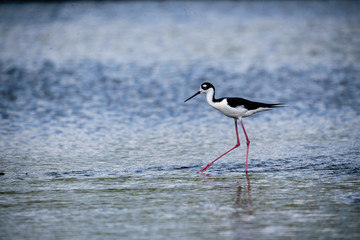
{"points": [[229, 111]]}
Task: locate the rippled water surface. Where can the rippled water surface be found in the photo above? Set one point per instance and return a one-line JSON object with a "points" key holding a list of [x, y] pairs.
{"points": [[96, 141]]}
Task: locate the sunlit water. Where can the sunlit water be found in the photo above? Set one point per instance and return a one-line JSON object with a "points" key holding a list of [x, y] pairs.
{"points": [[97, 143]]}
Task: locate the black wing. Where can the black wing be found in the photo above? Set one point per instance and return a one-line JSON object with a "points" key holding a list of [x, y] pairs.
{"points": [[249, 105]]}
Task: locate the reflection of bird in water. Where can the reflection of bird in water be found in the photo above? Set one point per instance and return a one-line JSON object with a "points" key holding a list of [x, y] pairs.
{"points": [[248, 194], [236, 108]]}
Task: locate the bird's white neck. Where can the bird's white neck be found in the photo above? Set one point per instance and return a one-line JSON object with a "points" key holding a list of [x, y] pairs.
{"points": [[210, 95]]}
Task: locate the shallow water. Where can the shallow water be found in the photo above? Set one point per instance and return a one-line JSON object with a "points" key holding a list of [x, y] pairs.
{"points": [[96, 142]]}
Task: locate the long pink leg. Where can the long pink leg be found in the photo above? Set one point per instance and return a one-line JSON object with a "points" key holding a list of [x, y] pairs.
{"points": [[236, 145], [247, 144]]}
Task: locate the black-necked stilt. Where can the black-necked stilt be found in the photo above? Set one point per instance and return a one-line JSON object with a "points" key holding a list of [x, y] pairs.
{"points": [[236, 108]]}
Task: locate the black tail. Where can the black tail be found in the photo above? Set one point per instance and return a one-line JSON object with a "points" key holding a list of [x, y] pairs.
{"points": [[255, 105], [276, 105]]}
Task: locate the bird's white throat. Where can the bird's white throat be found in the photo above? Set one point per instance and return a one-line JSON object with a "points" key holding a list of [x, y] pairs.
{"points": [[210, 96]]}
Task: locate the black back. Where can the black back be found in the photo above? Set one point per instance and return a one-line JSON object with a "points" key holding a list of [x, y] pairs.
{"points": [[249, 105]]}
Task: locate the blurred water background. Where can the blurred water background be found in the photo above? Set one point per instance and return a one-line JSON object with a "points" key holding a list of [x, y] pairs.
{"points": [[96, 142]]}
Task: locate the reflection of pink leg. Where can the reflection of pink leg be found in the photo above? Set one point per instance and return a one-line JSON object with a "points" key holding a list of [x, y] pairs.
{"points": [[248, 187], [237, 144], [248, 193], [248, 190], [247, 144]]}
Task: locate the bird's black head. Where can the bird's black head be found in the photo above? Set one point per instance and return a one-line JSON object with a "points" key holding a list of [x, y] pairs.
{"points": [[206, 85], [204, 88]]}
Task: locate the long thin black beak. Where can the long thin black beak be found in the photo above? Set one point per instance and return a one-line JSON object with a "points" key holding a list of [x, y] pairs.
{"points": [[192, 96]]}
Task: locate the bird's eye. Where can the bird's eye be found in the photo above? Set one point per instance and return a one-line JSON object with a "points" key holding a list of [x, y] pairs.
{"points": [[204, 86]]}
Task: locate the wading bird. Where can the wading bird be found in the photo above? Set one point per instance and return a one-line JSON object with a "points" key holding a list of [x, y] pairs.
{"points": [[236, 108]]}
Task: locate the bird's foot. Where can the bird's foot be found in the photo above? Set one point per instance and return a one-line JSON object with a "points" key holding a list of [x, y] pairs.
{"points": [[205, 168]]}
